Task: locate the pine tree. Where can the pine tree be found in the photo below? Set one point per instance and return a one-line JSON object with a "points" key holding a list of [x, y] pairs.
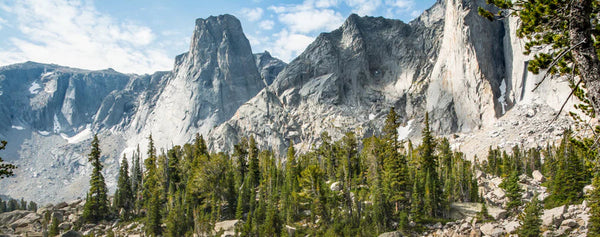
{"points": [[136, 180], [432, 190], [123, 196], [566, 186], [32, 206], [240, 152], [176, 219], [513, 191], [396, 178], [151, 192], [6, 169], [253, 169], [13, 204], [531, 221], [96, 205], [483, 214], [594, 204], [53, 231], [3, 207], [23, 205], [290, 187], [327, 154], [173, 169]]}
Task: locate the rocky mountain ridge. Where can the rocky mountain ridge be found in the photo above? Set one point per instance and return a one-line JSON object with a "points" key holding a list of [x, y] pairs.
{"points": [[465, 71]]}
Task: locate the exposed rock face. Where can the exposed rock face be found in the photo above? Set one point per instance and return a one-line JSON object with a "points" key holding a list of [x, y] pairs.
{"points": [[362, 68], [448, 62], [268, 66], [49, 116], [206, 86]]}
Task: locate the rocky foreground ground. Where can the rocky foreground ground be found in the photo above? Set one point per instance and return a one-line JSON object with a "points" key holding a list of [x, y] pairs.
{"points": [[568, 220]]}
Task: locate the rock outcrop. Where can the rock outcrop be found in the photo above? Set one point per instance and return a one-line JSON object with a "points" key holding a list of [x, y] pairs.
{"points": [[268, 66]]}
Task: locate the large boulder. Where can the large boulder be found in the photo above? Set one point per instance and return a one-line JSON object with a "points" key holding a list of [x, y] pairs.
{"points": [[537, 176], [493, 230], [497, 213], [227, 227], [61, 205], [58, 215], [512, 227], [554, 216], [65, 226], [30, 218], [391, 234], [10, 217], [499, 193]]}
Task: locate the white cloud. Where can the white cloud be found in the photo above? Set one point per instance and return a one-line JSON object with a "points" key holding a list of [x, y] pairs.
{"points": [[252, 14], [309, 16], [326, 3], [301, 23], [402, 4], [74, 33], [364, 7], [289, 45], [266, 25], [312, 20]]}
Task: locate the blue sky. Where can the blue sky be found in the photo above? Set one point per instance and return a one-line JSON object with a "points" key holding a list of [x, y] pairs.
{"points": [[143, 36]]}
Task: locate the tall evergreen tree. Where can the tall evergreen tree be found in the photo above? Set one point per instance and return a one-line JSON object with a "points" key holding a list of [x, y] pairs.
{"points": [[136, 180], [96, 205], [32, 206], [23, 205], [594, 204], [566, 186], [290, 187], [253, 163], [3, 207], [432, 190], [396, 178], [176, 221], [151, 192], [124, 199], [53, 231], [513, 191], [531, 221]]}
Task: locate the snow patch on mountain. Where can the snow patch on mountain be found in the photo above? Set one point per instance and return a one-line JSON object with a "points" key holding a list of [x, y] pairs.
{"points": [[79, 137], [404, 131], [35, 88]]}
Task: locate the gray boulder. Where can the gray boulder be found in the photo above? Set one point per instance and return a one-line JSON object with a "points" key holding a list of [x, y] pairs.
{"points": [[537, 176], [490, 229], [554, 216]]}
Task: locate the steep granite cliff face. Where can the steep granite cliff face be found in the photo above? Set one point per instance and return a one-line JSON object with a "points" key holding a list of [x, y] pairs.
{"points": [[268, 66], [50, 112], [448, 62], [206, 87]]}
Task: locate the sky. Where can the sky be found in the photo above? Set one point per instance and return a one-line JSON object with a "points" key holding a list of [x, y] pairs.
{"points": [[144, 36]]}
